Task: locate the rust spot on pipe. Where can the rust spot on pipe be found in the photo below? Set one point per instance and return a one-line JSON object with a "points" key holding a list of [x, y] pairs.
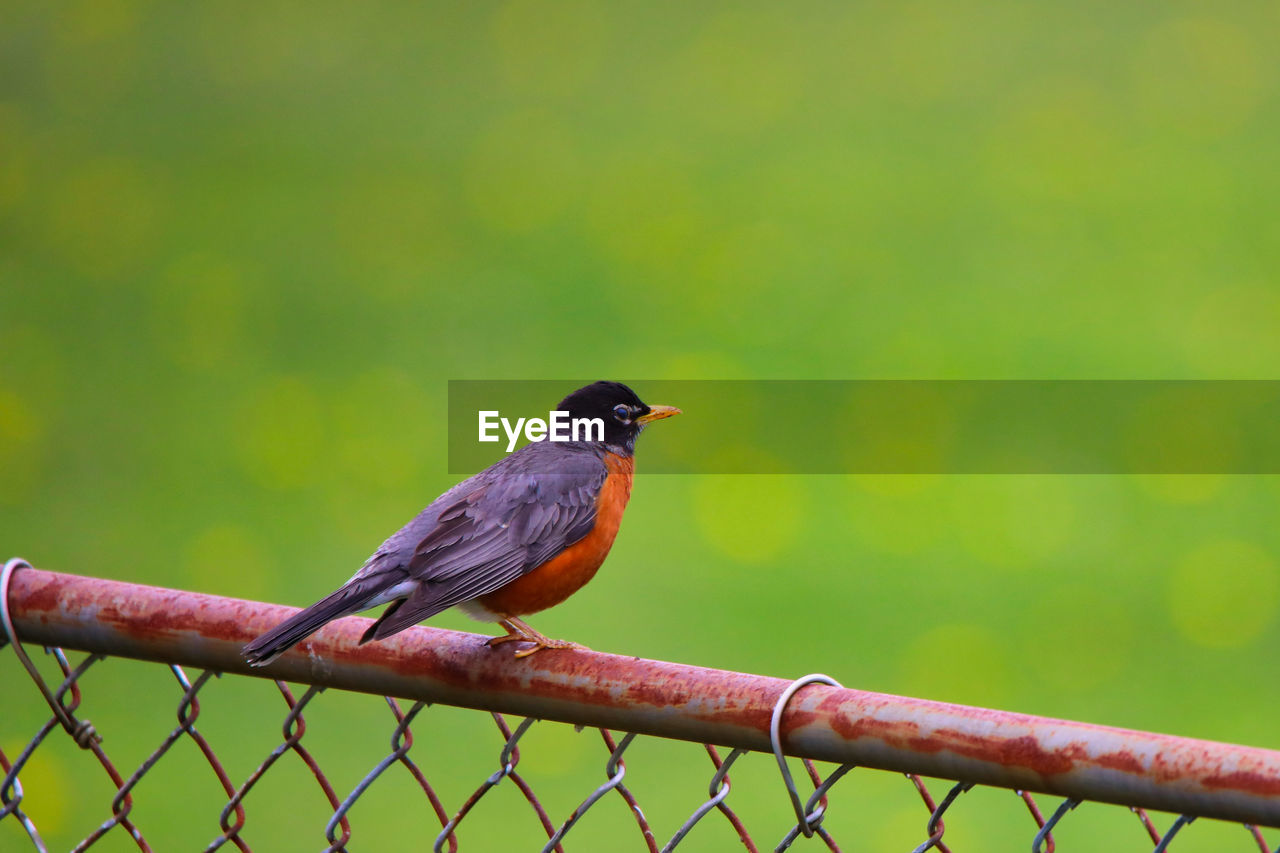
{"points": [[1024, 751], [1124, 761], [1243, 780]]}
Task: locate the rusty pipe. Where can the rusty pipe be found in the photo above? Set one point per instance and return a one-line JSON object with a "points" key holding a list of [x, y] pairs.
{"points": [[1019, 751]]}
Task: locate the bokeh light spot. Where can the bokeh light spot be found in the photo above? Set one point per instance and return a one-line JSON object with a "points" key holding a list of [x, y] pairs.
{"points": [[741, 73], [550, 46], [384, 428], [1199, 76], [1014, 521], [1231, 333], [103, 217], [46, 781], [644, 213], [741, 263], [21, 432], [955, 662], [911, 429], [929, 49], [225, 557], [897, 514], [1056, 145], [896, 485], [1182, 488], [281, 434], [749, 518], [1183, 429], [900, 827], [522, 172], [704, 364], [1076, 638], [198, 312], [1224, 594], [393, 229], [88, 21], [14, 155], [93, 57]]}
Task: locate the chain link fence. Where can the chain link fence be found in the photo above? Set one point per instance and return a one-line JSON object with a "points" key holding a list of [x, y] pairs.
{"points": [[810, 724]]}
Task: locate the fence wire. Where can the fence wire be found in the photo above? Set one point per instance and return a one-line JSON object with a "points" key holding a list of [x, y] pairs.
{"points": [[65, 695]]}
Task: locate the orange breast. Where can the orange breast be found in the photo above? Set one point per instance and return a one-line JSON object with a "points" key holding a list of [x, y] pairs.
{"points": [[564, 574]]}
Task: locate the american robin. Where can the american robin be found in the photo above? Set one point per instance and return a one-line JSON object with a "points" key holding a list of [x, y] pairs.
{"points": [[522, 535]]}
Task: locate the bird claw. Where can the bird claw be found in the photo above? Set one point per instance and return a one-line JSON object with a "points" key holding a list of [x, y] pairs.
{"points": [[519, 632], [549, 644]]}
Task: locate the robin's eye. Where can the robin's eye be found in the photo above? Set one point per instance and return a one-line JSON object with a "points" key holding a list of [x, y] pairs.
{"points": [[622, 413]]}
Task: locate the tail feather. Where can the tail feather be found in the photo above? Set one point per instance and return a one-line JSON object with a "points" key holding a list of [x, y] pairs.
{"points": [[302, 624], [375, 631]]}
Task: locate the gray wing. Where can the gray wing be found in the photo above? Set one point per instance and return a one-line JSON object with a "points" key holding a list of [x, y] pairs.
{"points": [[508, 523]]}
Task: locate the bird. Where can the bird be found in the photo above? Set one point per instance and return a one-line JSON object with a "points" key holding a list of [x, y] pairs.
{"points": [[518, 537]]}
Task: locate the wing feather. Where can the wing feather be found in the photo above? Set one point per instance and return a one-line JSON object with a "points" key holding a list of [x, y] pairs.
{"points": [[496, 532]]}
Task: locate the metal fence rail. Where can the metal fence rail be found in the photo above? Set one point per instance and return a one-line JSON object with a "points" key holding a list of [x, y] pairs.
{"points": [[810, 718]]}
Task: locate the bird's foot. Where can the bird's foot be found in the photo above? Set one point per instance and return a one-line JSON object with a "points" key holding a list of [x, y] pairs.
{"points": [[538, 645], [519, 632]]}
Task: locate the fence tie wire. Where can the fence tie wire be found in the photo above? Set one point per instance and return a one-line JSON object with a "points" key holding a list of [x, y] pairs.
{"points": [[806, 821], [818, 797], [81, 731]]}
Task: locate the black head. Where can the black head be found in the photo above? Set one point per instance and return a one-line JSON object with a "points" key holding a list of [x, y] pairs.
{"points": [[623, 413]]}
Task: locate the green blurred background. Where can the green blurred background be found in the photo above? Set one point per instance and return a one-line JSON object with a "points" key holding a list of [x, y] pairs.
{"points": [[243, 247]]}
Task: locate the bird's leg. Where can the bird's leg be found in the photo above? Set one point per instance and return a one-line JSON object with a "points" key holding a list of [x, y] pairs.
{"points": [[519, 631], [514, 633]]}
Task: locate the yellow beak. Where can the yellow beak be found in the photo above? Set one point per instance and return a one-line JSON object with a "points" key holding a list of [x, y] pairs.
{"points": [[657, 413]]}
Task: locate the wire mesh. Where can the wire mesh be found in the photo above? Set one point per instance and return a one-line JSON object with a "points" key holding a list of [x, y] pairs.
{"points": [[62, 685]]}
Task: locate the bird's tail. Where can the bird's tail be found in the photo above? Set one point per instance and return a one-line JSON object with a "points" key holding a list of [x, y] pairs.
{"points": [[350, 599]]}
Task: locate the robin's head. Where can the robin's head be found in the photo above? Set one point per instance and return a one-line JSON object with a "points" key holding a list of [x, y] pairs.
{"points": [[623, 413]]}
